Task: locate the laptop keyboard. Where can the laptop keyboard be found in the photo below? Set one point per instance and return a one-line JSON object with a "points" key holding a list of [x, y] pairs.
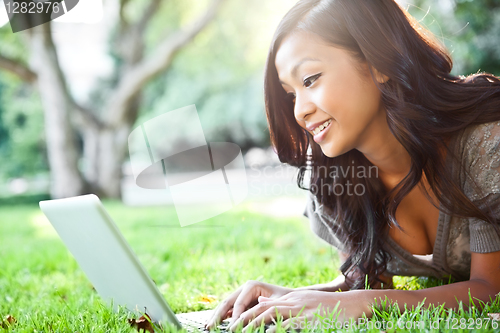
{"points": [[195, 321], [199, 326]]}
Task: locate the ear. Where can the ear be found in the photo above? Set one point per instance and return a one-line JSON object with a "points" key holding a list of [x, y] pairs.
{"points": [[381, 78]]}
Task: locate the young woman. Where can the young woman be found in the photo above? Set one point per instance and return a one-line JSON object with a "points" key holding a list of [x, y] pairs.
{"points": [[364, 87]]}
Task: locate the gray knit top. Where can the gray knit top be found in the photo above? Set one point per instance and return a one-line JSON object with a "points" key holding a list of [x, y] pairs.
{"points": [[478, 147]]}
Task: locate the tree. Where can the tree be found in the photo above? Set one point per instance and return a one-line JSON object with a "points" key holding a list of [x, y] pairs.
{"points": [[22, 145], [103, 131], [469, 29]]}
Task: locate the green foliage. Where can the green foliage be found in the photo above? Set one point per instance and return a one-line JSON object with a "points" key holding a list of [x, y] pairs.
{"points": [[469, 29], [228, 111], [4, 134], [420, 282], [24, 199], [483, 36], [12, 45], [222, 73], [22, 145]]}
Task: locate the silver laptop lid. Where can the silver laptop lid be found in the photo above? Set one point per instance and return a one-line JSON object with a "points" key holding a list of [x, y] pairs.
{"points": [[104, 255]]}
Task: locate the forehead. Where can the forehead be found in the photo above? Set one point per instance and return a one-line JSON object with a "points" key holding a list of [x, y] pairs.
{"points": [[299, 46]]}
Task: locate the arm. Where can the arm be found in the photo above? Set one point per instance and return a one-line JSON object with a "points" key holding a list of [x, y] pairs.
{"points": [[483, 284], [342, 284]]}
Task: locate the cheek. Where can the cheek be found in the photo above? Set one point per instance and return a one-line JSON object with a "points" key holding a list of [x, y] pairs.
{"points": [[362, 101], [328, 98], [370, 102], [340, 95]]}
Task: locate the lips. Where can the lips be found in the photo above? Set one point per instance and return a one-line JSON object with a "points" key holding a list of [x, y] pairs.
{"points": [[321, 131], [312, 127], [321, 127]]}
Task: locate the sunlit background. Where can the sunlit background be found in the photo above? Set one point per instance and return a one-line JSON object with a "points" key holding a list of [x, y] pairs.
{"points": [[220, 70]]}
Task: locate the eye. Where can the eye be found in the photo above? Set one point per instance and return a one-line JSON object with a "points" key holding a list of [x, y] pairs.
{"points": [[308, 81], [291, 96]]}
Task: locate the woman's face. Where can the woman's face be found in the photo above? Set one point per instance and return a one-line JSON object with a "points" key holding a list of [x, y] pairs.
{"points": [[336, 99]]}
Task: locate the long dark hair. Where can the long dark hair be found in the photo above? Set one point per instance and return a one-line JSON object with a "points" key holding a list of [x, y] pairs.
{"points": [[425, 104]]}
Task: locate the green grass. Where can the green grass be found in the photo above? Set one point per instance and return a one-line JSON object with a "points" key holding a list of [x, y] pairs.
{"points": [[42, 287]]}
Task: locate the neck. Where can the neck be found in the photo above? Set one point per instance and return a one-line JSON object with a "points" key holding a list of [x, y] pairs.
{"points": [[385, 152]]}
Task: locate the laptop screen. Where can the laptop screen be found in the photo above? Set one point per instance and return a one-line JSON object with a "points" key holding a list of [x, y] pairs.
{"points": [[104, 255]]}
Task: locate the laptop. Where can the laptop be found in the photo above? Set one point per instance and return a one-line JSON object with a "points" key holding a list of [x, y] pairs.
{"points": [[106, 258]]}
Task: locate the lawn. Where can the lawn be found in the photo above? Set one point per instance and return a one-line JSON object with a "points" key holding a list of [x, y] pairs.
{"points": [[195, 267]]}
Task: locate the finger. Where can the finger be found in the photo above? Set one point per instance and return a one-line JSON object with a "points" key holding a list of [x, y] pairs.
{"points": [[244, 299], [263, 299], [222, 310], [250, 314], [270, 306], [270, 315], [226, 315], [216, 316]]}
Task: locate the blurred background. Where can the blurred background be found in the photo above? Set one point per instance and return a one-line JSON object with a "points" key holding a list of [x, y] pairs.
{"points": [[70, 93]]}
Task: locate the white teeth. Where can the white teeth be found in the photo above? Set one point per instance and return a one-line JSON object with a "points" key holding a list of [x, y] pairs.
{"points": [[321, 127]]}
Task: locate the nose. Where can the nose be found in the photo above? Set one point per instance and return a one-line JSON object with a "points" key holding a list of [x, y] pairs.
{"points": [[303, 108]]}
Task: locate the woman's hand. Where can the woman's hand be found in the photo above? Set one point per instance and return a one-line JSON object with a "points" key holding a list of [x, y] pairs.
{"points": [[306, 303], [243, 298]]}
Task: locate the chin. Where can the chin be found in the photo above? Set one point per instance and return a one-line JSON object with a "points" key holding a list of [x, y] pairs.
{"points": [[331, 152]]}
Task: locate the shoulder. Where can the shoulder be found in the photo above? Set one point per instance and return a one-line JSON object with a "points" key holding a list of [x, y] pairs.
{"points": [[480, 151], [482, 140]]}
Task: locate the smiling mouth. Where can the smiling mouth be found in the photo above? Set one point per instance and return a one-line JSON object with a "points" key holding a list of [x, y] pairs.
{"points": [[321, 127]]}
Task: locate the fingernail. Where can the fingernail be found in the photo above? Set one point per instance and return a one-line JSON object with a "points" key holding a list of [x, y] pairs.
{"points": [[233, 325]]}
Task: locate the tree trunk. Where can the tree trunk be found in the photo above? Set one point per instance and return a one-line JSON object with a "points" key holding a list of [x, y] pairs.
{"points": [[104, 168], [104, 152], [63, 154]]}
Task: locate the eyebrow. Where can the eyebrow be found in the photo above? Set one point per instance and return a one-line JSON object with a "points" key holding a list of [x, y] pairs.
{"points": [[296, 67]]}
